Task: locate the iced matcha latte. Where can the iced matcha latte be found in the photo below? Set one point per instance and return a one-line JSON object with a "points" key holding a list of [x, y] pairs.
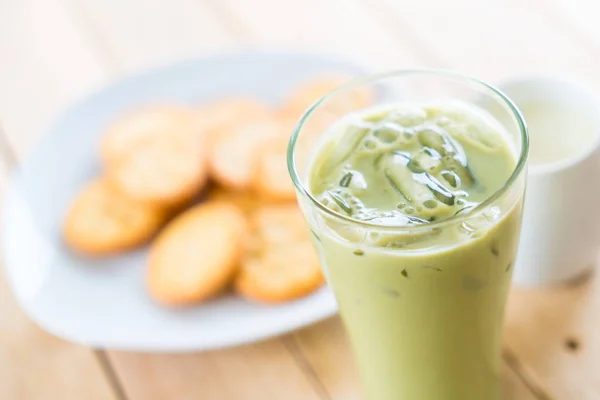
{"points": [[415, 211]]}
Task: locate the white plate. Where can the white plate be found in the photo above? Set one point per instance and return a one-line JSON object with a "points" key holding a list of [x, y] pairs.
{"points": [[103, 303]]}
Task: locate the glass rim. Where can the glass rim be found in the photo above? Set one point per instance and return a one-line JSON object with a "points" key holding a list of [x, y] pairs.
{"points": [[520, 166]]}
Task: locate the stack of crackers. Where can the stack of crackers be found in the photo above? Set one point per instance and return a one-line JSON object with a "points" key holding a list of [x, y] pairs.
{"points": [[209, 189]]}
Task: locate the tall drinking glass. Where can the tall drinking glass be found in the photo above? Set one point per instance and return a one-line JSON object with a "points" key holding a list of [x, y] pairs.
{"points": [[423, 304]]}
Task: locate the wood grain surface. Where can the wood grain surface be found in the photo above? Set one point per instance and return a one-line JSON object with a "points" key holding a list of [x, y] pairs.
{"points": [[53, 52]]}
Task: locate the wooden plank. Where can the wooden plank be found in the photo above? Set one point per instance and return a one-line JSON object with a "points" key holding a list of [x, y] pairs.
{"points": [[337, 27], [327, 349], [140, 33], [46, 67], [46, 62], [259, 371], [206, 374], [66, 50], [345, 41], [35, 365], [554, 332], [492, 40], [165, 32]]}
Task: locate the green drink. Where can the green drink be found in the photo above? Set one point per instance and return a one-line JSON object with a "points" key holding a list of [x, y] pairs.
{"points": [[415, 210]]}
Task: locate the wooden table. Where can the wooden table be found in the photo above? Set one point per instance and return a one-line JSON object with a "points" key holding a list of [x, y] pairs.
{"points": [[54, 51]]}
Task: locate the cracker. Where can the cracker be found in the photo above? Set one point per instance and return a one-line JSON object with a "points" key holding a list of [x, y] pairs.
{"points": [[247, 201], [308, 92], [156, 155], [233, 157], [149, 124], [280, 263], [101, 222], [197, 254], [220, 117], [164, 173], [271, 178]]}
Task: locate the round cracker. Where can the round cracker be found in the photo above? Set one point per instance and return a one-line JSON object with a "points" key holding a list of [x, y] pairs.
{"points": [[233, 157], [221, 116], [280, 263], [245, 200], [100, 221], [312, 90], [197, 254], [271, 178], [164, 173], [150, 124], [156, 155]]}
